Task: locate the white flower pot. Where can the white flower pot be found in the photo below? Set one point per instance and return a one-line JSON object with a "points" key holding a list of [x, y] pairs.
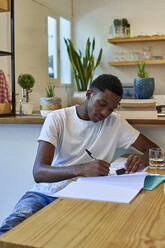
{"points": [[27, 108], [79, 97], [48, 104]]}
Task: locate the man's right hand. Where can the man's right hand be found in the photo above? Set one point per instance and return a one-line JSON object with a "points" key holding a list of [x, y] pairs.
{"points": [[94, 168]]}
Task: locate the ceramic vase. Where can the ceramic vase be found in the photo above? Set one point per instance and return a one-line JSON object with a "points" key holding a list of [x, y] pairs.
{"points": [[144, 87], [48, 104], [27, 108]]}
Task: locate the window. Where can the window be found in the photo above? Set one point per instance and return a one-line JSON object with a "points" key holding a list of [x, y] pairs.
{"points": [[58, 62], [65, 67], [52, 47]]}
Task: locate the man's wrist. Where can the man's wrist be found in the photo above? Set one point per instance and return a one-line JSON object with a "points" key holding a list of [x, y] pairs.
{"points": [[78, 170]]}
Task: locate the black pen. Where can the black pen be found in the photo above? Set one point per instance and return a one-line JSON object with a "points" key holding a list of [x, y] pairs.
{"points": [[118, 172], [89, 153]]}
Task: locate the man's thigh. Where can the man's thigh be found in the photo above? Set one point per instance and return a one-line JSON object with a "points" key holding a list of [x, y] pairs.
{"points": [[30, 203]]}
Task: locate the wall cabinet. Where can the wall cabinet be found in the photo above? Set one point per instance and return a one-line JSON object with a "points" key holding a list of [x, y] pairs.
{"points": [[4, 5], [152, 38]]}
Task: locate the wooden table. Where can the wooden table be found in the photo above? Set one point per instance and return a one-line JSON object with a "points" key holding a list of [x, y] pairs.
{"points": [[72, 223]]}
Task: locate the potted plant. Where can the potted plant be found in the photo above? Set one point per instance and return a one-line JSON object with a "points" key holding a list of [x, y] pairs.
{"points": [[83, 66], [50, 102], [26, 81], [124, 23], [116, 27], [144, 86]]}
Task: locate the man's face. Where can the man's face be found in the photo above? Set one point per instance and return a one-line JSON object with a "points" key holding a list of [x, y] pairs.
{"points": [[101, 104]]}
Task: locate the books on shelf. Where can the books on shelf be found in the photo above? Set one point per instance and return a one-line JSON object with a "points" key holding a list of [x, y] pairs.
{"points": [[138, 103], [138, 109], [138, 114]]}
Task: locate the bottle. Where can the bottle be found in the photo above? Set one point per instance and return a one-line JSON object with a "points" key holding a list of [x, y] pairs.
{"points": [[128, 31]]}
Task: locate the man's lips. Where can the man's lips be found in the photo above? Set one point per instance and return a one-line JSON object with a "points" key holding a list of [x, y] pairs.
{"points": [[99, 118]]}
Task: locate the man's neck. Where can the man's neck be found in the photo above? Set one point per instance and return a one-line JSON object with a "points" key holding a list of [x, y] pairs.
{"points": [[81, 111]]}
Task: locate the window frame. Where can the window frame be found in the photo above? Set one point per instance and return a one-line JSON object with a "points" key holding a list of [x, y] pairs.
{"points": [[57, 81]]}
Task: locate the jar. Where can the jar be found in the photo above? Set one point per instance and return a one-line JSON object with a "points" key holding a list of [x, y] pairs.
{"points": [[128, 31], [147, 52]]}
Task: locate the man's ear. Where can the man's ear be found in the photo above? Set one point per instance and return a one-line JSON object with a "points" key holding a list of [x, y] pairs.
{"points": [[88, 94]]}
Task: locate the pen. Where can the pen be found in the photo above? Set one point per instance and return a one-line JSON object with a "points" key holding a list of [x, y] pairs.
{"points": [[89, 153], [118, 172]]}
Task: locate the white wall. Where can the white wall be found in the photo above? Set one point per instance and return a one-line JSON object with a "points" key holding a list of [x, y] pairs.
{"points": [[31, 44], [93, 19], [18, 147]]}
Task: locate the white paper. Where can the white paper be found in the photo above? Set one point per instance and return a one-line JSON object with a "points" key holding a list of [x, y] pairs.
{"points": [[120, 189]]}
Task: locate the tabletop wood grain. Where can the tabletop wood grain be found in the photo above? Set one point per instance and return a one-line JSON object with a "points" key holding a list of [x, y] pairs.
{"points": [[73, 223]]}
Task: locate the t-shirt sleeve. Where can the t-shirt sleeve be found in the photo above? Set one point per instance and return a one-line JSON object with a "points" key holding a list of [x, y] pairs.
{"points": [[127, 134], [50, 130]]}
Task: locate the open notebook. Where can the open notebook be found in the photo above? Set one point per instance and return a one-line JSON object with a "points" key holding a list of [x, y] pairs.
{"points": [[116, 188]]}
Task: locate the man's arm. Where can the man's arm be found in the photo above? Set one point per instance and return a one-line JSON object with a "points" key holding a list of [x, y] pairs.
{"points": [[138, 162], [44, 172]]}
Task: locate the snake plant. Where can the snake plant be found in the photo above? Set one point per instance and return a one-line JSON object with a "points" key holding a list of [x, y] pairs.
{"points": [[83, 66], [141, 70], [50, 90]]}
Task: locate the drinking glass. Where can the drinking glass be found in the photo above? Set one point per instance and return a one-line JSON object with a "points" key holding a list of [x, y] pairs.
{"points": [[156, 158]]}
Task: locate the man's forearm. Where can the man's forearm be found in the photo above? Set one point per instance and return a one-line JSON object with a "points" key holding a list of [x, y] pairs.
{"points": [[48, 173]]}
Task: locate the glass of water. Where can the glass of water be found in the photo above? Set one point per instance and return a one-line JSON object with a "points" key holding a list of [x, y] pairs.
{"points": [[156, 158]]}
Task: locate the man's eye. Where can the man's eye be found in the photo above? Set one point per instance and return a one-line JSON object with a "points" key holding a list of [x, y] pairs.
{"points": [[102, 103]]}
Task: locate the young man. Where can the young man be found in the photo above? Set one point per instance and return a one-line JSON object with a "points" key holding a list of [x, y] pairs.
{"points": [[65, 136]]}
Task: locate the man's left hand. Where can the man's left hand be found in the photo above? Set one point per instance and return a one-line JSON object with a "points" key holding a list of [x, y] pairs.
{"points": [[136, 162]]}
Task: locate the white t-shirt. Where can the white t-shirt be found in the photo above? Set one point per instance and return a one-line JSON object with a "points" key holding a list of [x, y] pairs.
{"points": [[71, 136]]}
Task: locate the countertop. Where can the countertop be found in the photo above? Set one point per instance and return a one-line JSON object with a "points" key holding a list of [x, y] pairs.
{"points": [[22, 119], [38, 119]]}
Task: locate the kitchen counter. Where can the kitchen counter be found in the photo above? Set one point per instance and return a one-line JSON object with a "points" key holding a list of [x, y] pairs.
{"points": [[22, 119], [38, 119]]}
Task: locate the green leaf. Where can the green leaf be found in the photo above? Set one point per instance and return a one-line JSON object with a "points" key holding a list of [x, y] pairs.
{"points": [[141, 70], [83, 66], [99, 58]]}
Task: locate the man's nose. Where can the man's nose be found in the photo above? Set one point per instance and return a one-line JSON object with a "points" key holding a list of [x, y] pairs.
{"points": [[105, 112]]}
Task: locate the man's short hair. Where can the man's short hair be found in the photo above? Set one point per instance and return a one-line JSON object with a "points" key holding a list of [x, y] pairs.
{"points": [[107, 81]]}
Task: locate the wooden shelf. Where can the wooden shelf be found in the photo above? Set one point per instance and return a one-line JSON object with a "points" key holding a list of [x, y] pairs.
{"points": [[147, 62], [137, 39], [4, 5]]}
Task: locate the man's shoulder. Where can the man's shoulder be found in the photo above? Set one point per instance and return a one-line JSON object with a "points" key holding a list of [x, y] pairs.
{"points": [[62, 111], [114, 117]]}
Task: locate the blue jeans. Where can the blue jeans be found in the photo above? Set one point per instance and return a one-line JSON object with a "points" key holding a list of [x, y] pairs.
{"points": [[29, 204]]}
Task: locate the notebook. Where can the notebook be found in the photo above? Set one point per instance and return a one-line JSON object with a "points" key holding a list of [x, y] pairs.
{"points": [[152, 181]]}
